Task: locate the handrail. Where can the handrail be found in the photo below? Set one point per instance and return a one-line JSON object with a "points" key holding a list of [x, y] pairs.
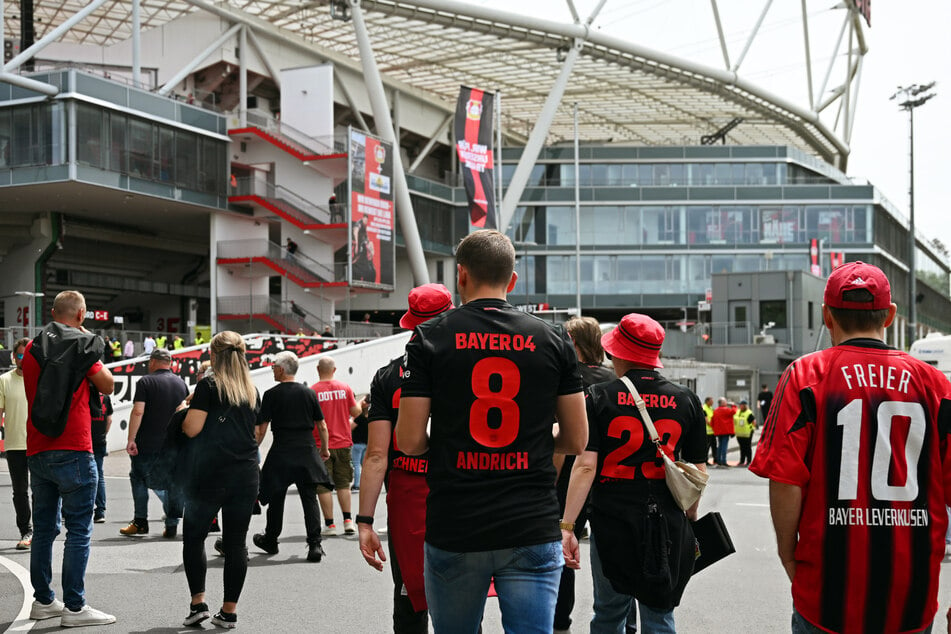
{"points": [[250, 186], [261, 248], [329, 144]]}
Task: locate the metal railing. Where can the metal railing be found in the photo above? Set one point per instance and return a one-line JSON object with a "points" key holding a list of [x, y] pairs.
{"points": [[250, 186], [259, 248], [330, 144], [292, 317]]}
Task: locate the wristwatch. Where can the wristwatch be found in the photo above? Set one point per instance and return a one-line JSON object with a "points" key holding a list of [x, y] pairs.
{"points": [[365, 519], [566, 526]]}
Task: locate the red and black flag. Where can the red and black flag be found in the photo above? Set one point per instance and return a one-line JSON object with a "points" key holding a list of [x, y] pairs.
{"points": [[474, 116]]}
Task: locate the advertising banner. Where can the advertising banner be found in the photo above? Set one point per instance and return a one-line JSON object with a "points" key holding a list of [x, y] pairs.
{"points": [[473, 128], [372, 255]]}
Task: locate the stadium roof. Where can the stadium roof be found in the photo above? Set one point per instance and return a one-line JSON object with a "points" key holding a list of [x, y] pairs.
{"points": [[626, 93]]}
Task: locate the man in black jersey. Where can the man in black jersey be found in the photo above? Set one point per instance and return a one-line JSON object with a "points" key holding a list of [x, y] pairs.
{"points": [[634, 518], [405, 476], [292, 410], [493, 379]]}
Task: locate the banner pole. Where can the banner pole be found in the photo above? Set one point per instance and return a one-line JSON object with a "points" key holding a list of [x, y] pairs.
{"points": [[498, 161]]}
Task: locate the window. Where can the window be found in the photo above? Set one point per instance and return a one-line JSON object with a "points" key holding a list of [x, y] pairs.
{"points": [[739, 314], [810, 316], [775, 311]]}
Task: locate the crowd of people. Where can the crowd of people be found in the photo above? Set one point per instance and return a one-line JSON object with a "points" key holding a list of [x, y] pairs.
{"points": [[497, 437]]}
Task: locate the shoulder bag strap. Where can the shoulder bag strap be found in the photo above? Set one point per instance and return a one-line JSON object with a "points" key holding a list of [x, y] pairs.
{"points": [[642, 408]]}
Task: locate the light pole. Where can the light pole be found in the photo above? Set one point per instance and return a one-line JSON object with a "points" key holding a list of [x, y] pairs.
{"points": [[912, 97]]}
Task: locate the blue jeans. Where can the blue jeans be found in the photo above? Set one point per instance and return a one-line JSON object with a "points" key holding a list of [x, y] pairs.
{"points": [[802, 626], [141, 478], [526, 580], [356, 455], [723, 442], [613, 611], [69, 476], [99, 453]]}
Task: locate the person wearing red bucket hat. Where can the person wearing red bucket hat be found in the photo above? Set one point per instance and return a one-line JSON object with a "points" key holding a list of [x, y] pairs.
{"points": [[625, 474], [494, 379], [425, 302], [405, 478], [856, 449]]}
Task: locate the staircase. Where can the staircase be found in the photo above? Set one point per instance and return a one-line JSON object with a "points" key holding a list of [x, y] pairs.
{"points": [[277, 315], [298, 268], [288, 139], [281, 201]]}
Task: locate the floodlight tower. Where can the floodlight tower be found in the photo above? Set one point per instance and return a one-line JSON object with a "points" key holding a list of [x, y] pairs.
{"points": [[912, 97]]}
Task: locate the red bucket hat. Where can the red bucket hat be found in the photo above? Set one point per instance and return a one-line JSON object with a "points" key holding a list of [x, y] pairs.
{"points": [[638, 339], [853, 276], [425, 302]]}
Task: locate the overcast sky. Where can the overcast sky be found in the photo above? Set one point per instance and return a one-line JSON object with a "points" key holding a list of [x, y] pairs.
{"points": [[909, 42]]}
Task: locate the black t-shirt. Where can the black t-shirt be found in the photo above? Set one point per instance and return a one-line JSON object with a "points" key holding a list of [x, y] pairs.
{"points": [[385, 390], [99, 420], [359, 433], [229, 451], [627, 458], [494, 375], [291, 409], [161, 392], [765, 398]]}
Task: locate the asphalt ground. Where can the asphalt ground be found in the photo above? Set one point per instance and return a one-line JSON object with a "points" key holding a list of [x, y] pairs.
{"points": [[142, 582]]}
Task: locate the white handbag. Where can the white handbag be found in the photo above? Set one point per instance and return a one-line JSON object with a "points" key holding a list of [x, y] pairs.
{"points": [[685, 481]]}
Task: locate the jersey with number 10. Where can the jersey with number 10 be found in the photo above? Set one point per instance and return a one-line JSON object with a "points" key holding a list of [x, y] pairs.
{"points": [[863, 429], [493, 375]]}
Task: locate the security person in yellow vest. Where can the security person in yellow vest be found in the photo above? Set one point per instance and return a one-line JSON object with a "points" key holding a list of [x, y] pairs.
{"points": [[116, 349], [711, 439], [161, 341], [743, 425], [178, 343]]}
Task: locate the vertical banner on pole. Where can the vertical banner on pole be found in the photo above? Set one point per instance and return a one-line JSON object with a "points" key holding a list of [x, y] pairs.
{"points": [[814, 258], [371, 256], [473, 128]]}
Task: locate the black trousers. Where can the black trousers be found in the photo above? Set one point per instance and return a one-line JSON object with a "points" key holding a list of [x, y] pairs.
{"points": [[308, 500], [712, 446], [406, 620], [20, 480], [235, 504], [746, 449]]}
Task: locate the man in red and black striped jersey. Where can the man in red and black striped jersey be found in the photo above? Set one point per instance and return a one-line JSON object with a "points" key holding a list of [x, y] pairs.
{"points": [[405, 476], [856, 450], [494, 379], [625, 473]]}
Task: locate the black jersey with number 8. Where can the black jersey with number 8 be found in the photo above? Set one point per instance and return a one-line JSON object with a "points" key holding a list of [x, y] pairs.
{"points": [[494, 375]]}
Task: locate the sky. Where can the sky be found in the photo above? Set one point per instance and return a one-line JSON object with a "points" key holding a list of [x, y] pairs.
{"points": [[908, 43]]}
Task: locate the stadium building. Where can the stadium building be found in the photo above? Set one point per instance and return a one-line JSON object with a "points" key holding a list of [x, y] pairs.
{"points": [[266, 166]]}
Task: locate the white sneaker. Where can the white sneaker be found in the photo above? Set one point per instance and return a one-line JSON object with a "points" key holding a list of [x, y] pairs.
{"points": [[329, 531], [85, 616], [41, 611]]}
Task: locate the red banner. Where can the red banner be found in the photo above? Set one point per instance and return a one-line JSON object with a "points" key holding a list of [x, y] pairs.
{"points": [[371, 252], [473, 126]]}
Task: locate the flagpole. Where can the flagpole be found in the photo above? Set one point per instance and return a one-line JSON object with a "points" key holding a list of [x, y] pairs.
{"points": [[577, 216], [498, 161]]}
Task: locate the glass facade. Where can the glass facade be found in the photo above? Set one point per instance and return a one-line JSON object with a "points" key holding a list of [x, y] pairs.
{"points": [[693, 225], [668, 174], [151, 151], [28, 136]]}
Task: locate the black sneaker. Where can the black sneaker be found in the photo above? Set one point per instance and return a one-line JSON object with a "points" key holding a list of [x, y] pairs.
{"points": [[227, 620], [219, 546], [265, 543], [197, 614], [315, 553], [170, 532]]}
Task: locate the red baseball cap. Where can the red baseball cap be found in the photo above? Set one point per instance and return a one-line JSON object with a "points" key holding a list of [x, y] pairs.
{"points": [[638, 339], [425, 302], [857, 275]]}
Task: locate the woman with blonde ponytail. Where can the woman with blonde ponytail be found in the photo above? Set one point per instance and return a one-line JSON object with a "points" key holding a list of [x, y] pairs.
{"points": [[224, 475]]}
